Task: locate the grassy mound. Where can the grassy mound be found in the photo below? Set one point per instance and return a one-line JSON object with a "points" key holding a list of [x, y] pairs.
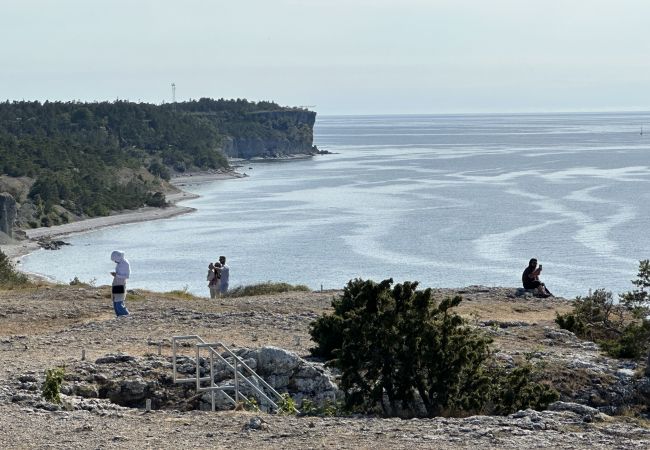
{"points": [[265, 289]]}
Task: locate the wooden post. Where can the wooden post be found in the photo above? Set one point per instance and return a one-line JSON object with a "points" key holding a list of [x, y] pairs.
{"points": [[83, 354]]}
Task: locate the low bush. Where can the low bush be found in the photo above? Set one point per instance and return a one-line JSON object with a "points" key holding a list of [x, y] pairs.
{"points": [[265, 289], [77, 282], [9, 276], [400, 351], [182, 293], [621, 328]]}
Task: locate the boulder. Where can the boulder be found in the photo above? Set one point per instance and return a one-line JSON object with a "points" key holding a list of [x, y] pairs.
{"points": [[276, 361], [588, 413]]}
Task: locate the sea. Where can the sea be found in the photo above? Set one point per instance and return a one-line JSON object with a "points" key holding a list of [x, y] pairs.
{"points": [[445, 200]]}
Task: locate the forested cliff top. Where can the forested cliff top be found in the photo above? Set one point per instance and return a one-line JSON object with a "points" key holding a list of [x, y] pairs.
{"points": [[89, 159]]}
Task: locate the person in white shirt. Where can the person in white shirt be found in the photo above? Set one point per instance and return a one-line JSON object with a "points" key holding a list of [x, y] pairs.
{"points": [[120, 275], [225, 275]]}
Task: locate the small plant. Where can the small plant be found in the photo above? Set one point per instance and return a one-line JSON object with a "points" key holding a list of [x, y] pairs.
{"points": [[77, 282], [329, 408], [308, 408], [52, 386], [250, 404], [287, 405]]}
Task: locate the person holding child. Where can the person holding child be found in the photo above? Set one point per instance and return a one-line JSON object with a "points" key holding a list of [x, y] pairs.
{"points": [[224, 273]]}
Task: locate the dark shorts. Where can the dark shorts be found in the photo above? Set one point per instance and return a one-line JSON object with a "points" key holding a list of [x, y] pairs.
{"points": [[533, 284]]}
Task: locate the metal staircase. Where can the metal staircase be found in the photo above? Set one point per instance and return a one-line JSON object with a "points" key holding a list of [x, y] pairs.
{"points": [[267, 397]]}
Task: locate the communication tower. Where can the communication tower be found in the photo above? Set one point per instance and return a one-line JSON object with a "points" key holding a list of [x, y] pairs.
{"points": [[173, 92]]}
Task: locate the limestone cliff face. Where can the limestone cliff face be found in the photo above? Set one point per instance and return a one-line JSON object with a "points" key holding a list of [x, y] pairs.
{"points": [[272, 134], [7, 213]]}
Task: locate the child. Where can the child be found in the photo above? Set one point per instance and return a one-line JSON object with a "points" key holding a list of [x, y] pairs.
{"points": [[213, 280]]}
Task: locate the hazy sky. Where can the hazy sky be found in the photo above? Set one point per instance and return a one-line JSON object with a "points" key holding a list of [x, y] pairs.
{"points": [[343, 56]]}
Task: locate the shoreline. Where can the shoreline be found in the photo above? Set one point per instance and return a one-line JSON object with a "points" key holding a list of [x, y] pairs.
{"points": [[20, 248]]}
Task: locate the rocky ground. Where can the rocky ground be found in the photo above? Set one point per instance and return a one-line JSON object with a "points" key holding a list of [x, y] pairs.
{"points": [[113, 365]]}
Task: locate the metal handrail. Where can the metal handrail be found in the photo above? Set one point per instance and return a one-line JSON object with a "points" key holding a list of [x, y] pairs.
{"points": [[236, 370]]}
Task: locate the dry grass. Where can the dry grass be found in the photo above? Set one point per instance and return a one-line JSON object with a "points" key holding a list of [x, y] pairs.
{"points": [[530, 311]]}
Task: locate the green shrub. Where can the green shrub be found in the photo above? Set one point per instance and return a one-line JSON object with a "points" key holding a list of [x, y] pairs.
{"points": [[620, 328], [265, 289], [638, 300], [328, 409], [287, 405], [9, 276], [397, 347], [515, 391], [571, 322], [157, 199], [595, 317], [52, 386], [250, 404], [631, 343]]}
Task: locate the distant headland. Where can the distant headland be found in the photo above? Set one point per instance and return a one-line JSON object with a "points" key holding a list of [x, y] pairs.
{"points": [[65, 161]]}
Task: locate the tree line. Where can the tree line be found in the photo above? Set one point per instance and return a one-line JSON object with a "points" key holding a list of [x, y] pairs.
{"points": [[93, 158]]}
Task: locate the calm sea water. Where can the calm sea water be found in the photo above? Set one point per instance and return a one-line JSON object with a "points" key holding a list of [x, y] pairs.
{"points": [[446, 200]]}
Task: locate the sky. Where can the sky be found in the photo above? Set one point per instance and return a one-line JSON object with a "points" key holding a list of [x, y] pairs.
{"points": [[334, 56]]}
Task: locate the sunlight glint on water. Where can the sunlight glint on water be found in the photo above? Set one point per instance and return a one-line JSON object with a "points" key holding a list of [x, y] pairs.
{"points": [[445, 200]]}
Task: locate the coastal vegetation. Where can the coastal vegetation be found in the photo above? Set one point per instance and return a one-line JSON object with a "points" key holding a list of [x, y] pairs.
{"points": [[621, 328], [249, 290], [52, 386], [401, 352], [89, 159], [266, 288], [9, 276]]}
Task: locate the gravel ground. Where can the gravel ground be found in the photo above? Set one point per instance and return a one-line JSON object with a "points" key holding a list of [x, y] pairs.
{"points": [[52, 325]]}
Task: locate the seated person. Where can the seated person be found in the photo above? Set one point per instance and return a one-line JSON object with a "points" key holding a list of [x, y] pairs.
{"points": [[530, 279]]}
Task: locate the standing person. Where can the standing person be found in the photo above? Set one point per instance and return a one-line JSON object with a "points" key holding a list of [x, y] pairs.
{"points": [[530, 278], [225, 275], [213, 280], [118, 288]]}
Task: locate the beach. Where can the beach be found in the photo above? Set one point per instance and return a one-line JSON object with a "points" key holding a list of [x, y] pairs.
{"points": [[15, 251]]}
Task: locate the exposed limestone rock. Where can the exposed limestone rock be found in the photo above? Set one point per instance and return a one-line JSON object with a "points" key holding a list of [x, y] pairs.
{"points": [[278, 144], [129, 381], [586, 412], [7, 213]]}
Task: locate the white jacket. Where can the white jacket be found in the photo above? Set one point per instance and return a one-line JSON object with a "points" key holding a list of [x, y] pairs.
{"points": [[122, 268]]}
